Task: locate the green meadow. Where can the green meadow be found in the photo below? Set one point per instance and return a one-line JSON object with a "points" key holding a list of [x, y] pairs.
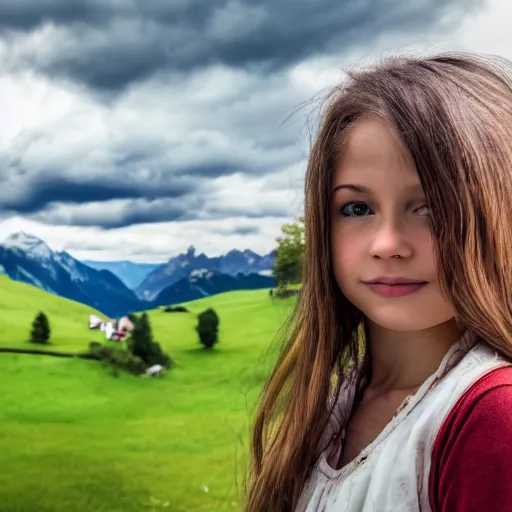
{"points": [[74, 437]]}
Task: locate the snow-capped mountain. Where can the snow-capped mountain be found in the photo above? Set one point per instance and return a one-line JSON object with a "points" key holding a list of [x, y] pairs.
{"points": [[28, 244], [26, 258], [244, 262], [180, 267]]}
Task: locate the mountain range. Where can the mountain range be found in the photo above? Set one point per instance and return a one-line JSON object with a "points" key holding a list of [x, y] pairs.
{"points": [[204, 282], [103, 285], [233, 263]]}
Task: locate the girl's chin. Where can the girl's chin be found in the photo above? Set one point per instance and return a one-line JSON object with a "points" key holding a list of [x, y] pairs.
{"points": [[404, 320]]}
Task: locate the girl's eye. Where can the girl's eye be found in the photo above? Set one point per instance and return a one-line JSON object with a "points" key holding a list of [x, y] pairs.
{"points": [[355, 210], [423, 210]]}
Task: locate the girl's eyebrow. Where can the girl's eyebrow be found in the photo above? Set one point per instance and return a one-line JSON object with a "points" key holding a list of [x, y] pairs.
{"points": [[359, 188], [354, 188]]}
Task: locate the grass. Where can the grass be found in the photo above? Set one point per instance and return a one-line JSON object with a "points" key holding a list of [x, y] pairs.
{"points": [[74, 437]]}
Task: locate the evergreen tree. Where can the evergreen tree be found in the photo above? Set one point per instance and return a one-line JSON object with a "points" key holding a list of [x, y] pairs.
{"points": [[142, 344], [40, 332], [141, 337], [208, 328]]}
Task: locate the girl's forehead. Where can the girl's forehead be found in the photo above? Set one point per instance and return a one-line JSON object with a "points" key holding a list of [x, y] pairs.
{"points": [[374, 154], [372, 138]]}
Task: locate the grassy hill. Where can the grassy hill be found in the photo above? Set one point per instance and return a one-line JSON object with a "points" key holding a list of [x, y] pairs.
{"points": [[73, 437], [69, 320]]}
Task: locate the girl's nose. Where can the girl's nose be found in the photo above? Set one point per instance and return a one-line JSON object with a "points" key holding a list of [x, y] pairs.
{"points": [[390, 242]]}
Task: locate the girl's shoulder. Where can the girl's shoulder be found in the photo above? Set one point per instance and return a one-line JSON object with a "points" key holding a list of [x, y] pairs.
{"points": [[487, 401], [472, 455]]}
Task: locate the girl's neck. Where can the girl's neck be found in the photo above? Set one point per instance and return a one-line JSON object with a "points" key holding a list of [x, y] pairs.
{"points": [[404, 360]]}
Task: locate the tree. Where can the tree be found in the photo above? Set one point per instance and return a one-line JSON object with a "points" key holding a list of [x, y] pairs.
{"points": [[40, 332], [141, 343], [290, 253], [208, 328]]}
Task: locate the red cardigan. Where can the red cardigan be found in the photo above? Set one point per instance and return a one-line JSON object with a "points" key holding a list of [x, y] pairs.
{"points": [[472, 456]]}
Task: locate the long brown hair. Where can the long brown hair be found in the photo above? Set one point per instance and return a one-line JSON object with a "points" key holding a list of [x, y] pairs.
{"points": [[453, 112]]}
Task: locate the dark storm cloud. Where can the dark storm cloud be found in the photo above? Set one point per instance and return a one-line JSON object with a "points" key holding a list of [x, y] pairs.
{"points": [[141, 211], [30, 192], [242, 230], [109, 44], [114, 216], [58, 189], [129, 217], [28, 14], [212, 170]]}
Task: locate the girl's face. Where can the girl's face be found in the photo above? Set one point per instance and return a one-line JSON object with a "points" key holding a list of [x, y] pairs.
{"points": [[382, 247]]}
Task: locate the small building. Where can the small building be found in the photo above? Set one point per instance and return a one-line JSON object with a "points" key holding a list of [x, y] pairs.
{"points": [[115, 330]]}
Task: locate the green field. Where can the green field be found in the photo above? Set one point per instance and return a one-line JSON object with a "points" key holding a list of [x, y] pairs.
{"points": [[75, 438]]}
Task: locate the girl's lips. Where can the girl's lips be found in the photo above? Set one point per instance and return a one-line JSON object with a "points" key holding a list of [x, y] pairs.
{"points": [[397, 289], [394, 280]]}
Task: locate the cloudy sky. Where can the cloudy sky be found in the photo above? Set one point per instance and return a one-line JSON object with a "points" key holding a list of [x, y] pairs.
{"points": [[131, 129]]}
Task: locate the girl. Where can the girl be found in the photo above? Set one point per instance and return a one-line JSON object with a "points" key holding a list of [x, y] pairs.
{"points": [[394, 391]]}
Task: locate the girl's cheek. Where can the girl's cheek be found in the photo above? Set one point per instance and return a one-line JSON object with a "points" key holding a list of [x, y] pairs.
{"points": [[424, 243], [347, 261]]}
